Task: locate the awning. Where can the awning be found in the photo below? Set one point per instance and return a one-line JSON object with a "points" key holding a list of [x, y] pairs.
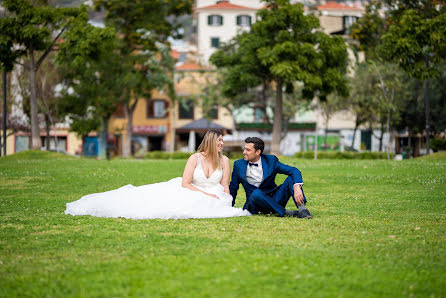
{"points": [[201, 125]]}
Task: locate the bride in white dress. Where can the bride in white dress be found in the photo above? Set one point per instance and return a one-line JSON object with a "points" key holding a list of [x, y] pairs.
{"points": [[202, 192]]}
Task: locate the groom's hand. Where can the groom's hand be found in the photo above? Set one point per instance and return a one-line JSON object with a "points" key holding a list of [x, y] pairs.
{"points": [[298, 196]]}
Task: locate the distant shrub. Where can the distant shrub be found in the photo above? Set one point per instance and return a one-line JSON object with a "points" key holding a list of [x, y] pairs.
{"points": [[167, 155], [438, 144], [234, 155], [343, 155], [157, 155], [180, 155]]}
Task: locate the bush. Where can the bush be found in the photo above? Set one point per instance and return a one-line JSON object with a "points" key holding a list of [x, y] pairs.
{"points": [[167, 155], [235, 155], [157, 155], [438, 144], [343, 155], [180, 155]]}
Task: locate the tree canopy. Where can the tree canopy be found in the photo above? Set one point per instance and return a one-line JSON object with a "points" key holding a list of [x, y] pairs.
{"points": [[144, 28], [31, 28], [284, 46]]}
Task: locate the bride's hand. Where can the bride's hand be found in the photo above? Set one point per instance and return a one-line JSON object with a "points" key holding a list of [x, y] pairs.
{"points": [[212, 195]]}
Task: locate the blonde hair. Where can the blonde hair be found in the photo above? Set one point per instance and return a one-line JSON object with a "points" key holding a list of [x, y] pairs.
{"points": [[209, 147]]}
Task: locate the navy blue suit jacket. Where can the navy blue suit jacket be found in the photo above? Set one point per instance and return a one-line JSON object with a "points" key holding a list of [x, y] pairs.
{"points": [[271, 166]]}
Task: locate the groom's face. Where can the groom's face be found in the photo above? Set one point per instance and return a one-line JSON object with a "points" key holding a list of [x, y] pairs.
{"points": [[250, 153]]}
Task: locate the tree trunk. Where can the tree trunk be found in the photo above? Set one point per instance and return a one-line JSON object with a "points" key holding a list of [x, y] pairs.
{"points": [[35, 129], [381, 137], [172, 129], [277, 125], [326, 131], [388, 132], [427, 110], [47, 129], [84, 137], [127, 148], [4, 113], [102, 152], [354, 132]]}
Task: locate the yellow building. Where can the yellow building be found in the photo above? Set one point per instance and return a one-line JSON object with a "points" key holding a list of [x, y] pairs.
{"points": [[150, 129], [67, 142], [154, 118]]}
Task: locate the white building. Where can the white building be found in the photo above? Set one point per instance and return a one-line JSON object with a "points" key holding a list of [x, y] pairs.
{"points": [[220, 21]]}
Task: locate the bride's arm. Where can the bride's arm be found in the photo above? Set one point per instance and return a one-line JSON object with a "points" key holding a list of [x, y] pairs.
{"points": [[188, 175], [226, 174]]}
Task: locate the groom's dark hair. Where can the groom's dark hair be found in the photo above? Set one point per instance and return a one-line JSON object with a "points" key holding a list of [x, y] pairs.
{"points": [[258, 143]]}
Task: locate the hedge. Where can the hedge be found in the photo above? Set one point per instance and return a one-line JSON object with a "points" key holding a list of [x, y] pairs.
{"points": [[343, 155]]}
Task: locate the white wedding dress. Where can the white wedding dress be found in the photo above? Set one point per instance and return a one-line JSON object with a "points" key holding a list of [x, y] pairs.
{"points": [[164, 200]]}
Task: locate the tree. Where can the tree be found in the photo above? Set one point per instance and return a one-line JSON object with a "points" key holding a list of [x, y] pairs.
{"points": [[30, 27], [144, 27], [416, 41], [333, 104], [368, 30], [412, 119], [94, 78], [47, 100], [378, 93], [361, 101], [391, 92], [288, 48]]}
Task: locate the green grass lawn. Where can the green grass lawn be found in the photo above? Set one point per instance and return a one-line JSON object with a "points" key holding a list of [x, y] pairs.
{"points": [[378, 230]]}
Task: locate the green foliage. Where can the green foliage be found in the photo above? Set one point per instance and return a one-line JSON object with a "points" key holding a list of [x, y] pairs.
{"points": [[93, 74], [28, 26], [235, 155], [167, 155], [283, 47], [438, 144], [411, 114], [437, 156], [368, 30], [144, 28], [143, 23], [412, 38], [364, 227], [31, 27], [343, 155]]}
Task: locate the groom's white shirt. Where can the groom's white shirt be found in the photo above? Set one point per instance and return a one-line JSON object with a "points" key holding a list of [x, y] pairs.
{"points": [[254, 175]]}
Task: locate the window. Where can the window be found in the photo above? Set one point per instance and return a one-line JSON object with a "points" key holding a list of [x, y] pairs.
{"points": [[259, 115], [61, 143], [244, 20], [215, 20], [349, 20], [182, 57], [21, 143], [215, 42], [186, 109], [119, 112], [156, 108], [213, 113]]}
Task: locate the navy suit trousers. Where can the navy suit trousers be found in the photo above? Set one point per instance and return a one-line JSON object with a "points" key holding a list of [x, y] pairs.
{"points": [[274, 202]]}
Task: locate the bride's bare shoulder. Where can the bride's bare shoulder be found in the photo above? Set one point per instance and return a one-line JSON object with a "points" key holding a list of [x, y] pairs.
{"points": [[193, 158], [224, 158]]}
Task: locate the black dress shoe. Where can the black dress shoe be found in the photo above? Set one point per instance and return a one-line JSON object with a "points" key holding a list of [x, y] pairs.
{"points": [[292, 213], [304, 214]]}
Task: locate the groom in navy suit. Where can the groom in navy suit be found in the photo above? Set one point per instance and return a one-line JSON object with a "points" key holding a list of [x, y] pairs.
{"points": [[257, 173]]}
